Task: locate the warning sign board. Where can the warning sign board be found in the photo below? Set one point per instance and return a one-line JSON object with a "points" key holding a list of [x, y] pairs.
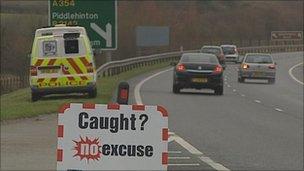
{"points": [[112, 137], [287, 35]]}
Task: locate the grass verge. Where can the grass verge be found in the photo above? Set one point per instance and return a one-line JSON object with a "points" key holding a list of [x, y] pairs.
{"points": [[18, 104]]}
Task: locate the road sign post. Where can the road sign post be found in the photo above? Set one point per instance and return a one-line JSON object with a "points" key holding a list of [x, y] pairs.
{"points": [[112, 137], [98, 17]]}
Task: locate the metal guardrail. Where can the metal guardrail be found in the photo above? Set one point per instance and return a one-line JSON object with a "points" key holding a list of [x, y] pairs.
{"points": [[117, 67]]}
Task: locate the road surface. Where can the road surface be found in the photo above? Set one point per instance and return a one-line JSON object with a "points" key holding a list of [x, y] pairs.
{"points": [[252, 126]]}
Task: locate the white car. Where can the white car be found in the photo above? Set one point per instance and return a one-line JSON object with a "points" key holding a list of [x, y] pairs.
{"points": [[257, 66], [231, 53]]}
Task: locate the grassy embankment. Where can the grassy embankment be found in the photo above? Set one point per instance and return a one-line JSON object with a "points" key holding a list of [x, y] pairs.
{"points": [[18, 104]]}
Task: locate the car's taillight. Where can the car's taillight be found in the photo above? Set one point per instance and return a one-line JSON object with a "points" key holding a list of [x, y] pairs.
{"points": [[180, 68], [245, 66], [90, 67], [218, 69], [272, 66], [33, 71]]}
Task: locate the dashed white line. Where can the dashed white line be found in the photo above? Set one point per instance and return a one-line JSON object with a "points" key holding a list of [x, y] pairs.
{"points": [[183, 164], [278, 109], [174, 152], [234, 90], [257, 101], [176, 138], [292, 76], [228, 85], [179, 158], [243, 95]]}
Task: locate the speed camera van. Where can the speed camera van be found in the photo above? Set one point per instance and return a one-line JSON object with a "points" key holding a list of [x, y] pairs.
{"points": [[62, 61]]}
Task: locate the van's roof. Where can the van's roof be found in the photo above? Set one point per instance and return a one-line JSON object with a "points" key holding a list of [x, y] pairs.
{"points": [[59, 31]]}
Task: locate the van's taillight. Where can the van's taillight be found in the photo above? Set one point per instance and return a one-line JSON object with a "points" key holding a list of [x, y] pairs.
{"points": [[218, 69], [180, 68], [272, 66], [33, 71], [245, 66], [90, 67]]}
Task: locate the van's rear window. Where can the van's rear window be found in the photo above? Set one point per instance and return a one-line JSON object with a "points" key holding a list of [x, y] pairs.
{"points": [[49, 48], [71, 46]]}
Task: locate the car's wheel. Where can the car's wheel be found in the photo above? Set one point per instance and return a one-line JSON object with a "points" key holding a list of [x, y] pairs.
{"points": [[93, 93], [176, 88], [35, 96], [219, 90], [271, 81]]}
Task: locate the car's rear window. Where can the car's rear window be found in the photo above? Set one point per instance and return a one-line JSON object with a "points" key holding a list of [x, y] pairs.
{"points": [[265, 59], [228, 50], [199, 58], [211, 50]]}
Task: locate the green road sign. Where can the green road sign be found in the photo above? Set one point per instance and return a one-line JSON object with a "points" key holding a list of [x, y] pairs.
{"points": [[98, 17]]}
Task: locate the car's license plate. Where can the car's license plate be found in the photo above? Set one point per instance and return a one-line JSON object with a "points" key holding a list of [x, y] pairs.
{"points": [[258, 74], [49, 71], [199, 80]]}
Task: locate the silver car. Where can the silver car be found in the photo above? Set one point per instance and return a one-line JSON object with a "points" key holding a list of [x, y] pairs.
{"points": [[257, 66], [231, 53]]}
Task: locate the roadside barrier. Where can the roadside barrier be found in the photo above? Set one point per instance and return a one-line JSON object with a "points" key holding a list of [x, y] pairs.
{"points": [[11, 83], [117, 67]]}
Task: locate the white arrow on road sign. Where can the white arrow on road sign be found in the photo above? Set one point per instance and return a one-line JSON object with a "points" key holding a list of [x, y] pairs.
{"points": [[107, 35]]}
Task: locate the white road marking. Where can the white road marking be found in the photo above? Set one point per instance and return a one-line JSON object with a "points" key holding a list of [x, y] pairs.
{"points": [[174, 152], [228, 85], [257, 101], [183, 164], [234, 90], [216, 166], [186, 145], [292, 76], [177, 138], [138, 86], [278, 109], [243, 95], [179, 158]]}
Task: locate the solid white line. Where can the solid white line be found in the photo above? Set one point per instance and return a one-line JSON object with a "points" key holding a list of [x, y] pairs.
{"points": [[178, 139], [216, 166], [278, 109], [185, 164], [257, 101], [292, 76], [187, 145], [179, 158], [138, 86], [174, 152]]}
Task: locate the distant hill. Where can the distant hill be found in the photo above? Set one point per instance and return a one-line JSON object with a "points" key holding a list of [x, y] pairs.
{"points": [[192, 24]]}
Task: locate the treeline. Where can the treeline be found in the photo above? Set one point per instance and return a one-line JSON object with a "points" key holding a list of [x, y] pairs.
{"points": [[192, 24]]}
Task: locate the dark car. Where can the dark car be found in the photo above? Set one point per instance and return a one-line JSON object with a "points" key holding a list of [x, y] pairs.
{"points": [[198, 70], [217, 51]]}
